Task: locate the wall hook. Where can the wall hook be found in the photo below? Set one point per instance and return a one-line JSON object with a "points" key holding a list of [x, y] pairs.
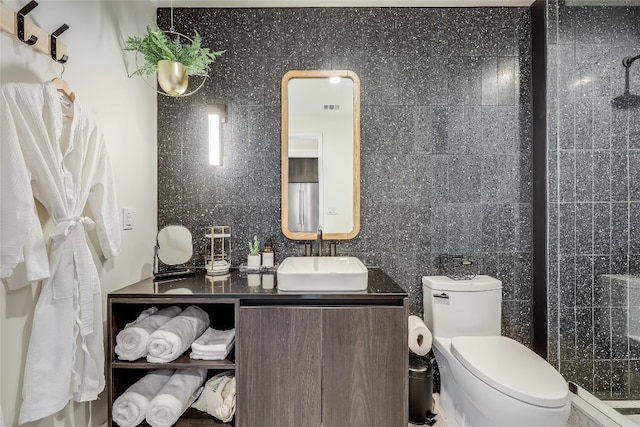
{"points": [[21, 14], [54, 36]]}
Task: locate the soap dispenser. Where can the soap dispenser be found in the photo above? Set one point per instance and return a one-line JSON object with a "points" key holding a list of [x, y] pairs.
{"points": [[268, 255]]}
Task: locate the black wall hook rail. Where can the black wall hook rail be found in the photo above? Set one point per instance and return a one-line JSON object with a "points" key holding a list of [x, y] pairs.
{"points": [[17, 24], [21, 14], [54, 36]]}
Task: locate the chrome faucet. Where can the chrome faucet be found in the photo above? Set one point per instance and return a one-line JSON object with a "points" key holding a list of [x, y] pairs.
{"points": [[319, 241]]}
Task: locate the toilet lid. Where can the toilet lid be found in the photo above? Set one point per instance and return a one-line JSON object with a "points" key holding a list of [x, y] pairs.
{"points": [[512, 368]]}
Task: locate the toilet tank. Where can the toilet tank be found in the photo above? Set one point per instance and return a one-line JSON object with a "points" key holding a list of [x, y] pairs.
{"points": [[469, 307]]}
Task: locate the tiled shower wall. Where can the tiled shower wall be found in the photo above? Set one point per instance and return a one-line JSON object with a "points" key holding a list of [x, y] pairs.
{"points": [[594, 199], [446, 136]]}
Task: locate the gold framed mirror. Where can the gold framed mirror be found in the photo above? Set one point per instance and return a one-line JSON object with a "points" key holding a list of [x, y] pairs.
{"points": [[320, 154]]}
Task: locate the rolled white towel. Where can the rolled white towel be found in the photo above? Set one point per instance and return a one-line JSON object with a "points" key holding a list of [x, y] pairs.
{"points": [[131, 342], [175, 397], [144, 314], [219, 397], [130, 408], [173, 338]]}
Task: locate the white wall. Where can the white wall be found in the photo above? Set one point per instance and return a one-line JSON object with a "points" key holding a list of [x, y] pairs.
{"points": [[126, 111]]}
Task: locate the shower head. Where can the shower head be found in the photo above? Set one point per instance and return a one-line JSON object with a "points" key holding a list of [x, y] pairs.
{"points": [[627, 99]]}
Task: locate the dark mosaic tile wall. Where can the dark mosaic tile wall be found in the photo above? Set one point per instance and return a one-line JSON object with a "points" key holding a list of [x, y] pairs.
{"points": [[594, 199], [446, 125]]}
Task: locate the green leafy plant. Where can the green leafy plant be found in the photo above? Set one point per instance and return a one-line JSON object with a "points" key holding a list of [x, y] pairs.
{"points": [[254, 248], [157, 45]]}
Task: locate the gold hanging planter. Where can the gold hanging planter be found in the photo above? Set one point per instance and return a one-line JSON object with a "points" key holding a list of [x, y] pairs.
{"points": [[172, 77], [173, 56]]}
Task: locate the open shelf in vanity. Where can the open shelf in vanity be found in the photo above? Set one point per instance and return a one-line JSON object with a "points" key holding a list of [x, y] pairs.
{"points": [[266, 323], [125, 308]]}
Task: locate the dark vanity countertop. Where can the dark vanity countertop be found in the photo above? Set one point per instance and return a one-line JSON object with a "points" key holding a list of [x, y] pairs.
{"points": [[236, 285]]}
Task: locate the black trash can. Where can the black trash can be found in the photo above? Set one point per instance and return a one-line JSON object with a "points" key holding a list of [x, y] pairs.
{"points": [[420, 389]]}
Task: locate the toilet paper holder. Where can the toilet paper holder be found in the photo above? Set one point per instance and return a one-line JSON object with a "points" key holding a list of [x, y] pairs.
{"points": [[419, 336]]}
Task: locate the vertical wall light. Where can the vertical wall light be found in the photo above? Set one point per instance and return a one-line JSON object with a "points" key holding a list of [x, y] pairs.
{"points": [[217, 114]]}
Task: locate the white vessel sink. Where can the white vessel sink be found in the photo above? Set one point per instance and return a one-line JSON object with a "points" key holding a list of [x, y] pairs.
{"points": [[334, 274]]}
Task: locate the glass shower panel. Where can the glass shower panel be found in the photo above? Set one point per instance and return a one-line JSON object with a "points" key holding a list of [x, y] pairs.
{"points": [[594, 196]]}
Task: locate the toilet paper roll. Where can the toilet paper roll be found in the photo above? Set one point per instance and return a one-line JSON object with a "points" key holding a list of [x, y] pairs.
{"points": [[420, 338]]}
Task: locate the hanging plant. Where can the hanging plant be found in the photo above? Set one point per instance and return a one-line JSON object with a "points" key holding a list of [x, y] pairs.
{"points": [[157, 45]]}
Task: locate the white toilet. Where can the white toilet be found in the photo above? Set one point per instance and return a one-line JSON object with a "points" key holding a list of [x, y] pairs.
{"points": [[487, 380]]}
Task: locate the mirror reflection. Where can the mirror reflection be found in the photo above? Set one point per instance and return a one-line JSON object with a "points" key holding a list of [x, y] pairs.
{"points": [[320, 154]]}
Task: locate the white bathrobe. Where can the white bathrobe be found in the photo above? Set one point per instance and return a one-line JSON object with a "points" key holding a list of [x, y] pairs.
{"points": [[52, 152]]}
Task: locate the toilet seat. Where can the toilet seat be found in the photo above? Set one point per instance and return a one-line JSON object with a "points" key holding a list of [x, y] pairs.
{"points": [[511, 368]]}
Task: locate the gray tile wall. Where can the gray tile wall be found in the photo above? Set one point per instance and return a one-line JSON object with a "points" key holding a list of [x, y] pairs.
{"points": [[593, 163], [446, 125]]}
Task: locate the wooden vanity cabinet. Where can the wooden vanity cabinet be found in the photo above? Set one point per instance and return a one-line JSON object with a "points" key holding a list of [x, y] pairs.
{"points": [[335, 360], [281, 366], [364, 366], [323, 365]]}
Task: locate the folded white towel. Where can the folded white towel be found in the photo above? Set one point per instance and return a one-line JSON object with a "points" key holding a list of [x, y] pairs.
{"points": [[175, 397], [218, 355], [131, 342], [130, 408], [213, 340], [213, 344], [173, 338], [219, 397]]}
